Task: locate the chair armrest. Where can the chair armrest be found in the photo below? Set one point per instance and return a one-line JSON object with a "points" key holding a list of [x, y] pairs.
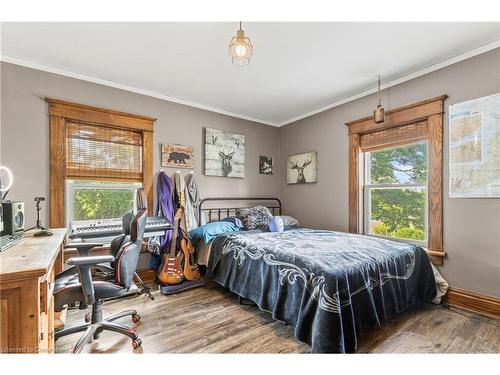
{"points": [[89, 261], [84, 266], [83, 247]]}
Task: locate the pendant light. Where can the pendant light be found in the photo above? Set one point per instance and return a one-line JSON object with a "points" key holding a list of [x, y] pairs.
{"points": [[378, 114], [240, 48]]}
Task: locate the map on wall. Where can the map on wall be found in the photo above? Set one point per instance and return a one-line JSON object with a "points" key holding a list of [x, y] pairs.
{"points": [[475, 148]]}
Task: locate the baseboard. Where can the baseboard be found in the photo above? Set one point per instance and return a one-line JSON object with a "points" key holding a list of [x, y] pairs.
{"points": [[148, 275], [474, 302]]}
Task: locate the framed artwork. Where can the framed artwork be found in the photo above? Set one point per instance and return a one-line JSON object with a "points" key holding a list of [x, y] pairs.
{"points": [[224, 153], [302, 168], [177, 156], [266, 165]]}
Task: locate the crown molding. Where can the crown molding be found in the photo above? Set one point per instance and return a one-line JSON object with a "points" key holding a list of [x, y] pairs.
{"points": [[431, 68], [99, 81], [405, 78]]}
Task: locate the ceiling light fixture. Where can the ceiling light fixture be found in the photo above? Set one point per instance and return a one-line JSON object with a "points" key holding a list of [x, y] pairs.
{"points": [[379, 113], [240, 48]]}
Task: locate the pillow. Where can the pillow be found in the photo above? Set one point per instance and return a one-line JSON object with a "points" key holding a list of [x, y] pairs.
{"points": [[290, 221], [235, 221], [254, 217], [276, 224], [209, 231]]}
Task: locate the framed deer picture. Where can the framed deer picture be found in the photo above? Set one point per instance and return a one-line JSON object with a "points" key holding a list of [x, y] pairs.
{"points": [[224, 153], [301, 168]]}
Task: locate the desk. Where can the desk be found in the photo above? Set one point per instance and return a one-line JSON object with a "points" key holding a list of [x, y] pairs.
{"points": [[27, 272]]}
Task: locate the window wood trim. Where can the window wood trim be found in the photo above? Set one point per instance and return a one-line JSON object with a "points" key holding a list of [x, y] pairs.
{"points": [[431, 112], [59, 113]]}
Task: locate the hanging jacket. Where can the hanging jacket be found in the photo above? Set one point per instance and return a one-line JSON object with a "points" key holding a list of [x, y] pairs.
{"points": [[165, 206], [194, 195], [188, 221]]}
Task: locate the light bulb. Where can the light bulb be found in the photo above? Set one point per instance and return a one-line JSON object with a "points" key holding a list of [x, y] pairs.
{"points": [[241, 50]]}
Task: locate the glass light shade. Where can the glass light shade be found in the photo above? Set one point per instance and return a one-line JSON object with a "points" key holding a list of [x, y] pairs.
{"points": [[240, 49], [379, 115]]}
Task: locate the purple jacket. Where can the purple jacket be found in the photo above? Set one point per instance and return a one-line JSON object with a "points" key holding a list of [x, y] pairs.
{"points": [[166, 206]]}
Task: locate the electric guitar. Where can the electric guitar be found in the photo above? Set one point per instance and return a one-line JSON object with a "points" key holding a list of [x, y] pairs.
{"points": [[170, 271], [190, 269]]}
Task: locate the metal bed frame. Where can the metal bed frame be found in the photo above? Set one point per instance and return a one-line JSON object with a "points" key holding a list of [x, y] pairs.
{"points": [[274, 207]]}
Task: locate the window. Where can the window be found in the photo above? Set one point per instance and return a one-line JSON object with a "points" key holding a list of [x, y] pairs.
{"points": [[396, 175], [97, 200], [395, 192], [98, 157]]}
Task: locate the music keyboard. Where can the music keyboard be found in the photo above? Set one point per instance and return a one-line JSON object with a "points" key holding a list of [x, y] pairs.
{"points": [[155, 226]]}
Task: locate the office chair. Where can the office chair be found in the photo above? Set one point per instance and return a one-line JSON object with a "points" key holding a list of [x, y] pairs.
{"points": [[92, 292], [106, 271]]}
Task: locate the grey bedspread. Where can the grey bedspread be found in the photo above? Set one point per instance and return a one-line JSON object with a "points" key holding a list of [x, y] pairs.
{"points": [[330, 286]]}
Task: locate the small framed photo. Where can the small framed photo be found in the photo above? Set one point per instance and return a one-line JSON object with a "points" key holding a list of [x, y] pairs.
{"points": [[302, 168], [266, 165], [177, 156]]}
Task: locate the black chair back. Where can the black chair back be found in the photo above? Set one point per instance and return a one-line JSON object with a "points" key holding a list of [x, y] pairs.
{"points": [[128, 256]]}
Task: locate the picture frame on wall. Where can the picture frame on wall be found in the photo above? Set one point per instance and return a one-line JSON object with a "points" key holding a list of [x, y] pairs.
{"points": [[177, 156], [302, 168], [224, 153], [266, 165]]}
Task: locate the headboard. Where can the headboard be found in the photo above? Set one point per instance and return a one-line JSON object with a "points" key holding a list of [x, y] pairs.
{"points": [[224, 207]]}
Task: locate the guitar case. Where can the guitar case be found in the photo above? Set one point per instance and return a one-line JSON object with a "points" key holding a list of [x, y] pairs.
{"points": [[185, 285]]}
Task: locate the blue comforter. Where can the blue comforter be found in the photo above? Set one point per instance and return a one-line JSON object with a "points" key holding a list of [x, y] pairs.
{"points": [[330, 286]]}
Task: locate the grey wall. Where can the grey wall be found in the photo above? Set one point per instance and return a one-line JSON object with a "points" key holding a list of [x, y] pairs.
{"points": [[24, 133], [471, 226]]}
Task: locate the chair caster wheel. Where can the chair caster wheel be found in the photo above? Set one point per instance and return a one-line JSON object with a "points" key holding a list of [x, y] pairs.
{"points": [[136, 318], [136, 343], [87, 318]]}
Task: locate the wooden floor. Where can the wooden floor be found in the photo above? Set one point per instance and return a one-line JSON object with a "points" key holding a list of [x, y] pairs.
{"points": [[210, 320]]}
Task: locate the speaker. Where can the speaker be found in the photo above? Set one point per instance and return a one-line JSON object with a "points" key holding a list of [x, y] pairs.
{"points": [[13, 217]]}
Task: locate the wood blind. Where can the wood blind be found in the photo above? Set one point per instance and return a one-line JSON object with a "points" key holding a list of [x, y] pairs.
{"points": [[392, 137], [104, 153]]}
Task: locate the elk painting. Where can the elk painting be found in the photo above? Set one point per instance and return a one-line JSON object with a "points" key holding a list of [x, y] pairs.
{"points": [[177, 156], [224, 153], [301, 168]]}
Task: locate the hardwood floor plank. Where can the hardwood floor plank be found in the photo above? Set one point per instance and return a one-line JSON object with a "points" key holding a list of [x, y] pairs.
{"points": [[210, 320]]}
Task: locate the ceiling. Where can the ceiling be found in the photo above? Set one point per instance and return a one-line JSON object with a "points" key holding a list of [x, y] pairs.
{"points": [[297, 68]]}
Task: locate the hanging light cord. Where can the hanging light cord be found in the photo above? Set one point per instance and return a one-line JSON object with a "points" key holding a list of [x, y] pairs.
{"points": [[379, 101]]}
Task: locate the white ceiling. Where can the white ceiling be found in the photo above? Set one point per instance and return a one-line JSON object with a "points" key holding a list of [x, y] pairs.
{"points": [[297, 68]]}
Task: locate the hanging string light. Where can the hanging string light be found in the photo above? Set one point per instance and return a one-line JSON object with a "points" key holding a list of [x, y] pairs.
{"points": [[379, 113], [240, 48]]}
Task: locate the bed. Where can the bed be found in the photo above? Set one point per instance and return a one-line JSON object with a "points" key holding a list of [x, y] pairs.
{"points": [[331, 287]]}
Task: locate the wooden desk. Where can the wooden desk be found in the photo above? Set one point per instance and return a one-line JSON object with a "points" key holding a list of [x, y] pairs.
{"points": [[27, 272]]}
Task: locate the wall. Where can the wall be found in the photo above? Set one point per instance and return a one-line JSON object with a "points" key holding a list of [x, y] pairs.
{"points": [[471, 226], [24, 133]]}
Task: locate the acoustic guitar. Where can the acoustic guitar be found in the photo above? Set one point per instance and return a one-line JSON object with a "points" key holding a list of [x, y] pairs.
{"points": [[170, 271]]}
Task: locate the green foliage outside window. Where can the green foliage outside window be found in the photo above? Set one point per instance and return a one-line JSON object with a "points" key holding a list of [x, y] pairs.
{"points": [[399, 212], [90, 204]]}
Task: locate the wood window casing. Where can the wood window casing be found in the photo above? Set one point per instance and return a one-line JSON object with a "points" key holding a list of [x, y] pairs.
{"points": [[409, 124], [63, 116]]}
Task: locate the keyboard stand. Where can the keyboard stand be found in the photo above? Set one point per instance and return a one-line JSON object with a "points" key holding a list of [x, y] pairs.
{"points": [[145, 289]]}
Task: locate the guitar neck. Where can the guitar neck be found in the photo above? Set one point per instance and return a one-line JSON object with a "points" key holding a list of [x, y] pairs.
{"points": [[173, 244]]}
